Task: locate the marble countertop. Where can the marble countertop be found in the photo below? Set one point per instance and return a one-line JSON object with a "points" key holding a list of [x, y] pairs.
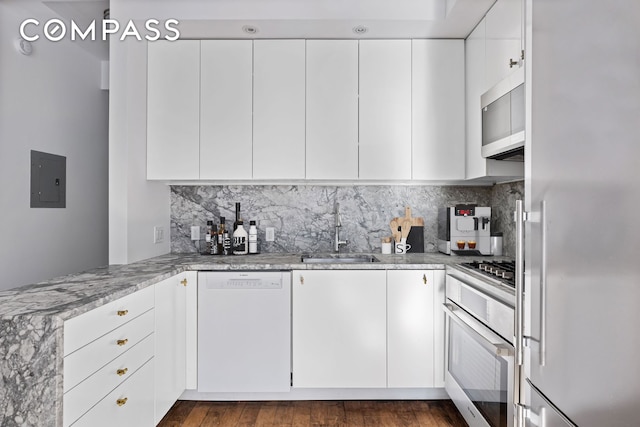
{"points": [[69, 296], [32, 317]]}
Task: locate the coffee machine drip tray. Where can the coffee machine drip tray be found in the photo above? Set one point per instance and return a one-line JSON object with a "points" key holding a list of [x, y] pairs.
{"points": [[469, 252]]}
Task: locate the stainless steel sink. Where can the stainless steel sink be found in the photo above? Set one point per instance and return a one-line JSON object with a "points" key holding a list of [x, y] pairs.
{"points": [[338, 259]]}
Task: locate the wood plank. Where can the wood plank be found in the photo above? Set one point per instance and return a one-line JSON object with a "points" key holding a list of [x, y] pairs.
{"points": [[232, 415], [197, 415], [215, 414], [284, 414], [177, 414], [267, 414], [302, 413], [249, 414], [354, 413], [433, 413]]}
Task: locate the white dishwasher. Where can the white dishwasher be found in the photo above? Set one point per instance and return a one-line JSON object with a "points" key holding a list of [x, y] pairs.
{"points": [[244, 331]]}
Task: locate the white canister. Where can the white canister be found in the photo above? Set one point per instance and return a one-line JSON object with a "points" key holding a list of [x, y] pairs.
{"points": [[496, 244]]}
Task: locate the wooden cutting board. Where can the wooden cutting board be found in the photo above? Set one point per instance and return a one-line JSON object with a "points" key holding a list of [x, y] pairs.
{"points": [[405, 223]]}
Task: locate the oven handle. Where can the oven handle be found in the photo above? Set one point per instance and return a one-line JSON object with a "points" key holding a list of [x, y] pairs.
{"points": [[492, 341]]}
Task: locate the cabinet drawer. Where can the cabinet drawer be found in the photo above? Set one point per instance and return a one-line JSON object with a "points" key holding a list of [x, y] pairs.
{"points": [[89, 392], [90, 358], [131, 404], [81, 330]]}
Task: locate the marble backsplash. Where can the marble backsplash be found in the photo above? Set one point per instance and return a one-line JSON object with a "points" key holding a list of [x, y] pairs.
{"points": [[303, 215]]}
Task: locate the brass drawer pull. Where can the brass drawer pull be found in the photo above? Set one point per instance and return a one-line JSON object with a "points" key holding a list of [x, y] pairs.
{"points": [[121, 372], [302, 280], [424, 279], [122, 342], [121, 402], [123, 312], [183, 282]]}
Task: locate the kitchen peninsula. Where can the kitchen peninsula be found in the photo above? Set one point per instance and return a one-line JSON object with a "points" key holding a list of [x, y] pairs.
{"points": [[33, 339]]}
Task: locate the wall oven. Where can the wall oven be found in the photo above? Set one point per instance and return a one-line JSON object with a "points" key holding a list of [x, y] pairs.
{"points": [[481, 374]]}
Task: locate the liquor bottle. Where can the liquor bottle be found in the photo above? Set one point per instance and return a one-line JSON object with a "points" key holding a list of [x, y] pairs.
{"points": [[240, 237], [207, 237], [235, 223], [226, 243], [221, 231], [253, 237], [214, 240]]}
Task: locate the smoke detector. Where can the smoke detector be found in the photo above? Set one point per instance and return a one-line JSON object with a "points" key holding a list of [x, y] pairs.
{"points": [[360, 29], [250, 29]]}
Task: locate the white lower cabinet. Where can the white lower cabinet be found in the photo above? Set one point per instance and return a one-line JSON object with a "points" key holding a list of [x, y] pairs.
{"points": [[368, 329], [339, 332], [414, 328], [130, 404], [127, 362], [171, 340]]}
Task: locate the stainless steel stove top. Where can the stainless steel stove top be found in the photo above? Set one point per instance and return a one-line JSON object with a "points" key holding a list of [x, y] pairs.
{"points": [[502, 271]]}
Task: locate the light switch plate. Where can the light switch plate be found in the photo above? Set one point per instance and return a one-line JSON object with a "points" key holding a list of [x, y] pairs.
{"points": [[158, 235], [270, 234], [195, 232]]}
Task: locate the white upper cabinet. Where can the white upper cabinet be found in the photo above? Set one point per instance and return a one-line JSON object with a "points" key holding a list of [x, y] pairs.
{"points": [[173, 110], [385, 110], [279, 109], [438, 136], [503, 40], [226, 98], [477, 82], [332, 109]]}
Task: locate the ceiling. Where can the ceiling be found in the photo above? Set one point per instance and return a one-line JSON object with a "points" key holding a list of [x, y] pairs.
{"points": [[314, 18], [324, 19]]}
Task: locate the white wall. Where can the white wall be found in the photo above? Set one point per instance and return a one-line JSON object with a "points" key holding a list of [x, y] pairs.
{"points": [[135, 204], [50, 101]]}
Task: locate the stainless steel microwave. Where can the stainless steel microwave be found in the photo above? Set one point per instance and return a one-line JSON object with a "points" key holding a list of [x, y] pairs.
{"points": [[503, 111]]}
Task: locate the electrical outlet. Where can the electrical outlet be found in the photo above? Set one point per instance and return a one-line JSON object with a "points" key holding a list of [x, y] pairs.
{"points": [[270, 234], [195, 232], [158, 235]]}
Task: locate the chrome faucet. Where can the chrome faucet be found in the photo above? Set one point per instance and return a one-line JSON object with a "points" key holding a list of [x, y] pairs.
{"points": [[337, 241]]}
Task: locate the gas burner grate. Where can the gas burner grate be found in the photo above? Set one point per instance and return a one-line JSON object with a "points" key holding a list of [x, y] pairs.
{"points": [[503, 271]]}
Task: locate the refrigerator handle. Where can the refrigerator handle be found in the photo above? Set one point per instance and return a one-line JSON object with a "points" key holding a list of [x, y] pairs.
{"points": [[519, 276], [543, 282]]}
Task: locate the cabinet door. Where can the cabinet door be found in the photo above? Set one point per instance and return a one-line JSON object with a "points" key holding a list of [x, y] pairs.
{"points": [[385, 109], [339, 329], [438, 144], [170, 337], [279, 109], [226, 128], [332, 109], [476, 84], [173, 110], [504, 39], [475, 76], [410, 326]]}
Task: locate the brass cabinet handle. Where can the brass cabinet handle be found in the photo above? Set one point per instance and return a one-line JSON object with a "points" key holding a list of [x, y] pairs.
{"points": [[424, 278], [121, 402], [302, 280], [121, 372], [123, 312], [183, 282], [122, 342]]}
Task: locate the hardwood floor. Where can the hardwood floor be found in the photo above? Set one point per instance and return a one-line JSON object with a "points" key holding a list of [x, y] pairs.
{"points": [[431, 413]]}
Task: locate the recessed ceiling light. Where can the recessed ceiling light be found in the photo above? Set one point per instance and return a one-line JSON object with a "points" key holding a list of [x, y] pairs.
{"points": [[250, 29], [360, 29]]}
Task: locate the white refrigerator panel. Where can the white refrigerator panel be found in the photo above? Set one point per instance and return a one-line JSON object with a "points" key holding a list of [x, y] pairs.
{"points": [[583, 194]]}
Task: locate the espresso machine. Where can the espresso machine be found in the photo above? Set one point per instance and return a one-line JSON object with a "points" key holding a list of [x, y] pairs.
{"points": [[464, 229]]}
